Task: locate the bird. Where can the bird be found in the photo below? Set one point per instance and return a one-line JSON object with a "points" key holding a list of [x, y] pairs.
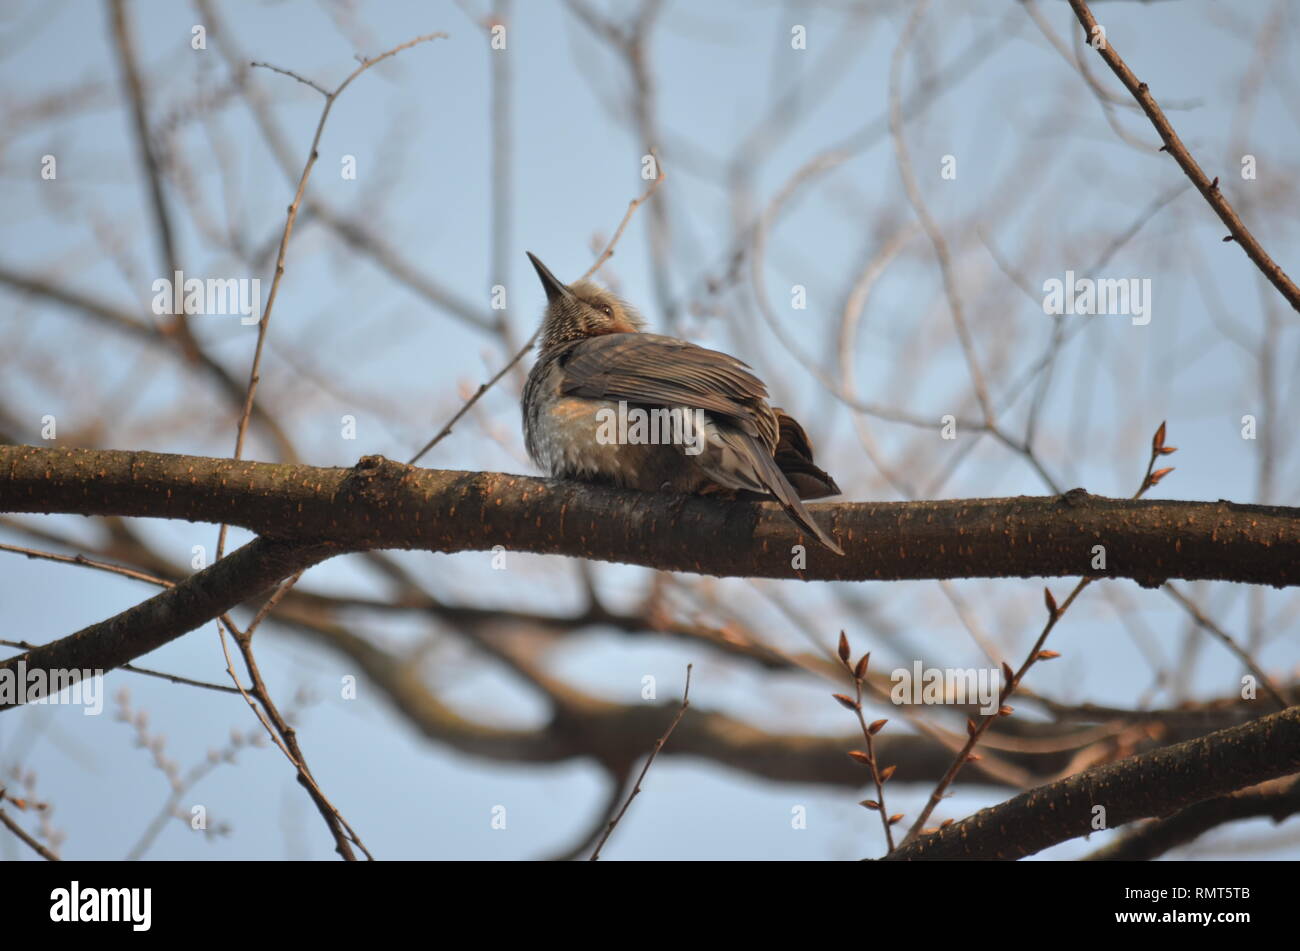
{"points": [[595, 359]]}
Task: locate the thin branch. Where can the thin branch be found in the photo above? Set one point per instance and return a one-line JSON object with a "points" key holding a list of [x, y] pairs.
{"points": [[265, 321], [618, 782], [132, 573], [193, 602], [353, 232], [604, 256], [292, 75], [1208, 188], [342, 832], [632, 206], [22, 834], [636, 789], [161, 675], [275, 724], [1226, 639], [858, 672], [149, 159], [975, 730], [913, 190], [177, 679], [282, 733]]}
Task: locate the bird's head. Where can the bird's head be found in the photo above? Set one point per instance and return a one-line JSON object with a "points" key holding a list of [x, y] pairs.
{"points": [[581, 309]]}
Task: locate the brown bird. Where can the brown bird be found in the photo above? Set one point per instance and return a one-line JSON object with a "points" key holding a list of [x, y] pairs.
{"points": [[595, 363]]}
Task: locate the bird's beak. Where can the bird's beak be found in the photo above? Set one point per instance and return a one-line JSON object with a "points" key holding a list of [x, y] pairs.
{"points": [[555, 289]]}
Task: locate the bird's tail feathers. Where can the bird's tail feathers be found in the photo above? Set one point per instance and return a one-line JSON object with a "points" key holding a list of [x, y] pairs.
{"points": [[794, 457], [740, 462], [772, 476]]}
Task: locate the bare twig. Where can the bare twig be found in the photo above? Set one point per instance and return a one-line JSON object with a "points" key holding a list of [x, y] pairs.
{"points": [[867, 757], [161, 675], [98, 565], [1227, 640], [312, 155], [292, 75], [22, 834], [148, 157], [932, 229], [284, 735], [1208, 188], [126, 573], [275, 724], [604, 256], [636, 789], [975, 730]]}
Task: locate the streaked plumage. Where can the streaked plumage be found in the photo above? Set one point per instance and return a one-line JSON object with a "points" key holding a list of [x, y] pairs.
{"points": [[594, 355]]}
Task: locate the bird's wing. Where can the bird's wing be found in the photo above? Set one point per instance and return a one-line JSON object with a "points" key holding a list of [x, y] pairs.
{"points": [[654, 370]]}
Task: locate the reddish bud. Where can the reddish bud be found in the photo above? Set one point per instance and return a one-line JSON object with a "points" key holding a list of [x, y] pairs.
{"points": [[860, 671]]}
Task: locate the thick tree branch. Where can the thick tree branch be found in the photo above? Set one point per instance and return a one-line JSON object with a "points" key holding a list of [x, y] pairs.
{"points": [[164, 617], [384, 504], [1152, 784], [617, 735], [1278, 800], [583, 727]]}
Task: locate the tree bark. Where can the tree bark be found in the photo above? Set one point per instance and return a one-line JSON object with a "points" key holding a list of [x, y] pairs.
{"points": [[1158, 783], [205, 595], [383, 504]]}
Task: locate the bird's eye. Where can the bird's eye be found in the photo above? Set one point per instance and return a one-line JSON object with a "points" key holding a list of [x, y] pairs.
{"points": [[607, 310]]}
